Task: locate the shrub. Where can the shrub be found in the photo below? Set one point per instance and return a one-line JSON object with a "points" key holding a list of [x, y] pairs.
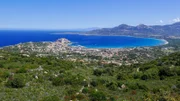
{"points": [[137, 75], [51, 98], [16, 82], [97, 96], [144, 77], [1, 80], [21, 70], [112, 99], [71, 91], [94, 83], [133, 86], [97, 72], [109, 71], [1, 65], [121, 76], [178, 85], [143, 87], [155, 90], [165, 72], [80, 97], [5, 74], [85, 83], [12, 66], [152, 73], [67, 79], [58, 81], [85, 90], [111, 86], [162, 99]]}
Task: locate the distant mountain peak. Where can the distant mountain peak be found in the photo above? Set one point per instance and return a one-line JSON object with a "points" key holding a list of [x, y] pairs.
{"points": [[123, 26], [142, 26], [141, 30]]}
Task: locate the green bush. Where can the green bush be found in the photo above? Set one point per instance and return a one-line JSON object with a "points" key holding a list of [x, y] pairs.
{"points": [[80, 97], [67, 79], [94, 83], [178, 85], [51, 98], [85, 90], [21, 70], [152, 73], [162, 99], [1, 80], [112, 99], [97, 96], [5, 74], [1, 65], [143, 87], [97, 72], [133, 86], [16, 82], [122, 76], [137, 75], [71, 91], [144, 77], [166, 71], [111, 86], [58, 81], [156, 90], [84, 83]]}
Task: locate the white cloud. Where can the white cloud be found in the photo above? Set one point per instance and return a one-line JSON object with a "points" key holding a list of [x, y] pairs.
{"points": [[176, 20], [161, 21]]}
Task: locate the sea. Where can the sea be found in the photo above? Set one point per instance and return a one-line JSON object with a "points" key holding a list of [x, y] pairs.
{"points": [[12, 37]]}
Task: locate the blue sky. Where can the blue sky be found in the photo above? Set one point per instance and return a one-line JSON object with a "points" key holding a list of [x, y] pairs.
{"points": [[70, 14]]}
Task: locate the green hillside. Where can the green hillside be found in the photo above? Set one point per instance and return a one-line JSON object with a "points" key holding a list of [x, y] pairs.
{"points": [[33, 78]]}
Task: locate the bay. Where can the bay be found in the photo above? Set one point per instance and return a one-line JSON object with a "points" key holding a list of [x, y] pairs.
{"points": [[12, 37]]}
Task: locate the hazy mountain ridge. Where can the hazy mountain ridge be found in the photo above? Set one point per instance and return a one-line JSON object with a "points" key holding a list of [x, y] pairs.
{"points": [[140, 30]]}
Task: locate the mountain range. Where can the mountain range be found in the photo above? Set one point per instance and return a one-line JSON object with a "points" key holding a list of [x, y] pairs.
{"points": [[140, 30]]}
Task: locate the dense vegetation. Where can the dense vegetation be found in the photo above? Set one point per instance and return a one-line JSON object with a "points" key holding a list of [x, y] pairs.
{"points": [[52, 79]]}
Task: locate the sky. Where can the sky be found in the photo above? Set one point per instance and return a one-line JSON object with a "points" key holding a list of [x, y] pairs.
{"points": [[72, 14]]}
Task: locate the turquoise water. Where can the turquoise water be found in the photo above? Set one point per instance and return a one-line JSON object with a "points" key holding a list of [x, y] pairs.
{"points": [[89, 41]]}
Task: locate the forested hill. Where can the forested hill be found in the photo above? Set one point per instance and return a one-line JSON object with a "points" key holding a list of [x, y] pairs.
{"points": [[35, 78], [140, 30]]}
